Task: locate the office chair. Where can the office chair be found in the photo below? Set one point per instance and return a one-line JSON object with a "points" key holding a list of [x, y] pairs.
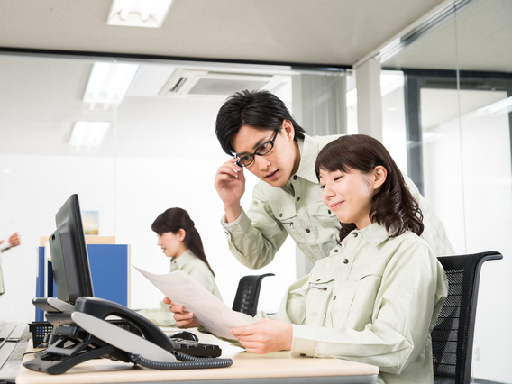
{"points": [[248, 294], [452, 337]]}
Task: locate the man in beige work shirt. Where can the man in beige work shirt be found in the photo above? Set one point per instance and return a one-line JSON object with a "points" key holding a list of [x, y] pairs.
{"points": [[258, 130]]}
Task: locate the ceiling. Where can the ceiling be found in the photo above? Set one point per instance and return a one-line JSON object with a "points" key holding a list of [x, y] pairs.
{"points": [[327, 32], [41, 97], [478, 37], [322, 32]]}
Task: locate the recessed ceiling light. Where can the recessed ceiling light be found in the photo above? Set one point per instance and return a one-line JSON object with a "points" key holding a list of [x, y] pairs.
{"points": [[108, 82], [502, 107], [139, 13], [88, 133]]}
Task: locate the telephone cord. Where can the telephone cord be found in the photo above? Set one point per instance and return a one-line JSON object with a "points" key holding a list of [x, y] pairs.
{"points": [[186, 362]]}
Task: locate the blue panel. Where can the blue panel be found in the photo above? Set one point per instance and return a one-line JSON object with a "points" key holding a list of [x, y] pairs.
{"points": [[40, 282], [109, 271]]}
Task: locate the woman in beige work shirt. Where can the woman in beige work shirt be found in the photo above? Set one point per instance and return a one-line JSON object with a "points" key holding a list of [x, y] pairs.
{"points": [[179, 240], [376, 298]]}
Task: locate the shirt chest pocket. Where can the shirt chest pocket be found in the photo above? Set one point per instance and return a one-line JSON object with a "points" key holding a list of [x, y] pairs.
{"points": [[319, 213], [286, 214], [368, 280], [325, 225], [320, 293]]}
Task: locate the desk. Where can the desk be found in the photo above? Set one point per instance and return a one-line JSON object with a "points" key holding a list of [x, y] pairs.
{"points": [[11, 352], [247, 368]]}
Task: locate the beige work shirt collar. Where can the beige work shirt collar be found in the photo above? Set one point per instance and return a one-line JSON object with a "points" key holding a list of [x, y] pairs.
{"points": [[184, 258], [310, 149], [374, 234]]}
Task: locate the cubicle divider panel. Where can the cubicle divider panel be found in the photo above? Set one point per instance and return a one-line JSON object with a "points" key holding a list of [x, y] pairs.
{"points": [[110, 271]]}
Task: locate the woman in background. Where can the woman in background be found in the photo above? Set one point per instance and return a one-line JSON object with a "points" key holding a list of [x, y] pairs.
{"points": [[179, 240], [13, 241]]}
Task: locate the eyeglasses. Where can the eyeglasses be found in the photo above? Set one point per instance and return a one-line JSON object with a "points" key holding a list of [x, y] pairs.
{"points": [[263, 149]]}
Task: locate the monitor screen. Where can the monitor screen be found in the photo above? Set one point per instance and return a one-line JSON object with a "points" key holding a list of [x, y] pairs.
{"points": [[68, 249]]}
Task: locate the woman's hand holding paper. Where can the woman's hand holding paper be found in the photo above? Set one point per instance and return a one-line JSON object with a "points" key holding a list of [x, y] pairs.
{"points": [[183, 319], [265, 336]]}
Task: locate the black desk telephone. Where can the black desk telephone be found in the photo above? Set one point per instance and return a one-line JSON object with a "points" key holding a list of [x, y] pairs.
{"points": [[81, 333]]}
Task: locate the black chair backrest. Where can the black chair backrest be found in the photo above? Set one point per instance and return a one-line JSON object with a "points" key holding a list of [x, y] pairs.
{"points": [[452, 337], [248, 294]]}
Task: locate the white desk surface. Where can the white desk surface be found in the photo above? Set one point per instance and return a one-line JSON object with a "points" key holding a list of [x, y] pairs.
{"points": [[247, 367]]}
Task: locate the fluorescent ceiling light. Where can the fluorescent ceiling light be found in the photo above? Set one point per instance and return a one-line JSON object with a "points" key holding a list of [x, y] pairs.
{"points": [[502, 107], [139, 13], [108, 83], [415, 30], [88, 133]]}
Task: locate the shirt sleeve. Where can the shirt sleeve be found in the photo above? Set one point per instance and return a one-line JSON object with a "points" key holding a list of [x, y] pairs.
{"points": [[159, 316], [255, 237], [411, 295], [200, 274], [434, 233], [282, 315]]}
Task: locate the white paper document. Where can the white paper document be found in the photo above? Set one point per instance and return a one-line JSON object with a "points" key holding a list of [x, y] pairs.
{"points": [[209, 311]]}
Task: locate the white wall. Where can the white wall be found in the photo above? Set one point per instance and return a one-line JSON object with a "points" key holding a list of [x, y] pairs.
{"points": [[130, 193], [146, 189], [33, 189]]}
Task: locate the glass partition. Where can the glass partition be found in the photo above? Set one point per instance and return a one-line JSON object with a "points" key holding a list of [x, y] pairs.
{"points": [[44, 159], [454, 111], [157, 150]]}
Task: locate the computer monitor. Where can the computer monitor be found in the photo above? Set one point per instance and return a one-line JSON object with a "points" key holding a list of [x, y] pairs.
{"points": [[68, 249]]}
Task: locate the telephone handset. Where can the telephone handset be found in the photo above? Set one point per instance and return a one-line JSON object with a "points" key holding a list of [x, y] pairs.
{"points": [[83, 333]]}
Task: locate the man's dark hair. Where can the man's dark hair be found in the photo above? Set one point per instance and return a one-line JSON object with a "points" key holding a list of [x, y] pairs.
{"points": [[259, 109]]}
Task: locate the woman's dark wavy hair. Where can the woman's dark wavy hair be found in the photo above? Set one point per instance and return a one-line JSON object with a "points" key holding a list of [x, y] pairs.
{"points": [[174, 219], [259, 109], [393, 206]]}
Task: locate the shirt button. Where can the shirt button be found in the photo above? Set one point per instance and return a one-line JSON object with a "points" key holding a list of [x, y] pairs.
{"points": [[307, 231], [335, 250], [317, 279], [355, 234], [298, 198], [303, 354], [329, 211], [295, 177], [345, 261], [280, 215]]}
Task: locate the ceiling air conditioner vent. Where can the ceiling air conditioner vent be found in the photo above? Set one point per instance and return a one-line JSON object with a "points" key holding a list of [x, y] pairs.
{"points": [[184, 82], [178, 85]]}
